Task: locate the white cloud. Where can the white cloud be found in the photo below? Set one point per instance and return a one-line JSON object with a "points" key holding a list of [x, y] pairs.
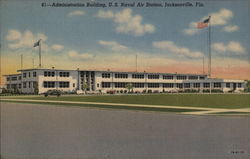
{"points": [[171, 46], [232, 46], [105, 14], [76, 13], [57, 47], [26, 39], [115, 46], [127, 23], [13, 35], [77, 55], [231, 28], [219, 18], [190, 31]]}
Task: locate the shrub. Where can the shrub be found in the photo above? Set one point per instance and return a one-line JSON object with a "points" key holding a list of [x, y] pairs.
{"points": [[155, 91], [149, 91]]}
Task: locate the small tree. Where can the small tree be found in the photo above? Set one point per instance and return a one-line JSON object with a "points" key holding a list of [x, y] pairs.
{"points": [[85, 86], [129, 87], [247, 86]]}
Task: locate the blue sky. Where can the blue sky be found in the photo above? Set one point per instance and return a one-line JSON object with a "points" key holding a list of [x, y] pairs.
{"points": [[101, 38]]}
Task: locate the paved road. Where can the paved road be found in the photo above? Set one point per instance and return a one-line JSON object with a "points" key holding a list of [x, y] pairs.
{"points": [[51, 132]]}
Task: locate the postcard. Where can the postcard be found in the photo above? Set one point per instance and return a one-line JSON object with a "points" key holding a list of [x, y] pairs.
{"points": [[124, 79]]}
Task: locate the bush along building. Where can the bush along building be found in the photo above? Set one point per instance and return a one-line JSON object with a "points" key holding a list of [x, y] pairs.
{"points": [[41, 80]]}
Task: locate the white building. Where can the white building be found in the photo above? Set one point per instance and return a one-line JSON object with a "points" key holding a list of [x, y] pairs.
{"points": [[42, 80]]}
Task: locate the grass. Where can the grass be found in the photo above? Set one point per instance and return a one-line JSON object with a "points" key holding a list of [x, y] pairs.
{"points": [[114, 107], [230, 101]]}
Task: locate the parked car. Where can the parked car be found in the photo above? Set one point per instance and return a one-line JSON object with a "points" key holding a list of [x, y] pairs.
{"points": [[53, 92]]}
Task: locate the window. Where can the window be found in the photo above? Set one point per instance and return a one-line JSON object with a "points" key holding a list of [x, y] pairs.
{"points": [[13, 86], [29, 74], [63, 84], [153, 76], [138, 76], [19, 85], [180, 77], [138, 85], [8, 78], [239, 85], [34, 84], [8, 86], [168, 85], [179, 85], [168, 77], [106, 84], [228, 85], [206, 85], [217, 85], [19, 77], [187, 85], [98, 84], [105, 75], [153, 85], [197, 85], [64, 74], [74, 84], [24, 85], [48, 84], [193, 77], [34, 74], [29, 84], [13, 78], [120, 84], [24, 75], [202, 77], [121, 75], [49, 73]]}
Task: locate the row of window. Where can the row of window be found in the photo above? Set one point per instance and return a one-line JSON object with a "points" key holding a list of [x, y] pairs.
{"points": [[138, 76], [64, 74], [165, 85], [25, 74], [49, 74], [52, 84], [105, 75], [121, 75], [152, 76]]}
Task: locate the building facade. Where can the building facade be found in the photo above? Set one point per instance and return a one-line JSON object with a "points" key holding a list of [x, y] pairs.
{"points": [[42, 80]]}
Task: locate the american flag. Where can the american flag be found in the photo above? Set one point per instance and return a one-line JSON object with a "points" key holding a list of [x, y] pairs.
{"points": [[203, 24]]}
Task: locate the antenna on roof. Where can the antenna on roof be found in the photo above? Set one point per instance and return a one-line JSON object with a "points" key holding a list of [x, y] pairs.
{"points": [[33, 62], [21, 61], [136, 63]]}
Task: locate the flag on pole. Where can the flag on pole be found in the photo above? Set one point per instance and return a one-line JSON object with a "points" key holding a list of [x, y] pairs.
{"points": [[204, 24], [37, 43]]}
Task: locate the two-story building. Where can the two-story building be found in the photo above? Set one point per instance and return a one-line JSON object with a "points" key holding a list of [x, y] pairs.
{"points": [[42, 80]]}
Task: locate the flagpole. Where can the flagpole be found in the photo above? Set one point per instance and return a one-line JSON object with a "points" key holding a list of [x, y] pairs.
{"points": [[40, 60], [209, 48]]}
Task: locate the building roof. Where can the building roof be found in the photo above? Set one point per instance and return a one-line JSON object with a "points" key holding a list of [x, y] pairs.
{"points": [[109, 71]]}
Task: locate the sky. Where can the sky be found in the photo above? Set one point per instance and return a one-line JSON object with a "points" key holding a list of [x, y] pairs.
{"points": [[164, 39]]}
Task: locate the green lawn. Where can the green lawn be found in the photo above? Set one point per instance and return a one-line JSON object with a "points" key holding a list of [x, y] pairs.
{"points": [[195, 100], [114, 107]]}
